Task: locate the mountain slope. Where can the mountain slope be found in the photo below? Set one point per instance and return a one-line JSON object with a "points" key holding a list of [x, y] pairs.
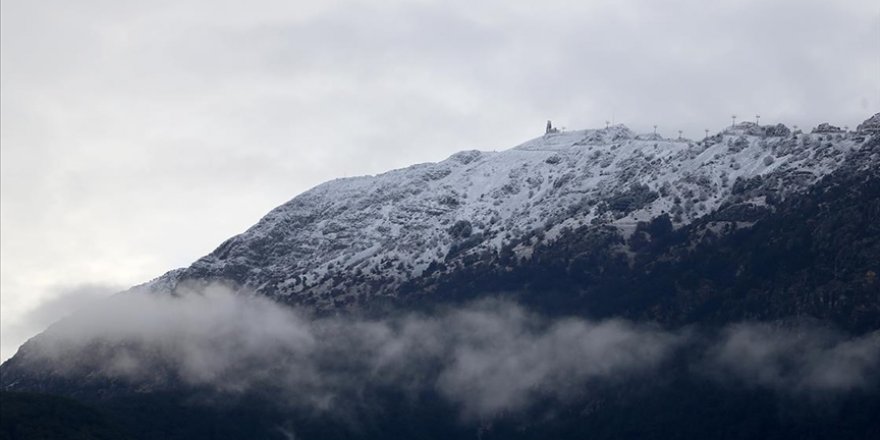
{"points": [[350, 240], [25, 416]]}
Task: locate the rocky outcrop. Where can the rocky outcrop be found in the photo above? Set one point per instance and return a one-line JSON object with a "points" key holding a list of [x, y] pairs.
{"points": [[870, 125], [826, 128]]}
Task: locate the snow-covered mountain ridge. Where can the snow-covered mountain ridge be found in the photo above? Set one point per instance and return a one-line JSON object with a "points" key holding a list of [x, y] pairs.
{"points": [[364, 236]]}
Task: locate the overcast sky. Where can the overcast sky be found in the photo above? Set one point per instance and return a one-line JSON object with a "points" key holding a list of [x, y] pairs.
{"points": [[136, 136]]}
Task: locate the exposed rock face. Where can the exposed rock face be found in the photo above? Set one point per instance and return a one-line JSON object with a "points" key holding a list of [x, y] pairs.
{"points": [[870, 125], [777, 130], [826, 128]]}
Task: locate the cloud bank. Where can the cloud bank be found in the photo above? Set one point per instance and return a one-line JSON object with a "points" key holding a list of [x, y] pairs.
{"points": [[486, 358], [799, 359]]}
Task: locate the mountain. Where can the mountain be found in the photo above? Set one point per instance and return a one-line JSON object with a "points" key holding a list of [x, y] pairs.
{"points": [[597, 282], [349, 241]]}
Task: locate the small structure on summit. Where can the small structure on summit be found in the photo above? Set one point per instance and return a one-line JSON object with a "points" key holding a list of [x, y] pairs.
{"points": [[551, 128]]}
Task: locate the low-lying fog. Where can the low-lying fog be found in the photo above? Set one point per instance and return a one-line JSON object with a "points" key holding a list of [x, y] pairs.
{"points": [[485, 357]]}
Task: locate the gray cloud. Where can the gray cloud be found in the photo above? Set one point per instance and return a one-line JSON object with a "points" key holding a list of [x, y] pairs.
{"points": [[61, 303], [486, 358], [795, 359], [68, 300], [500, 363]]}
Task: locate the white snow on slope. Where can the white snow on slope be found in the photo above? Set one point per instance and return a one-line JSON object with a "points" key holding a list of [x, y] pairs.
{"points": [[393, 226]]}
